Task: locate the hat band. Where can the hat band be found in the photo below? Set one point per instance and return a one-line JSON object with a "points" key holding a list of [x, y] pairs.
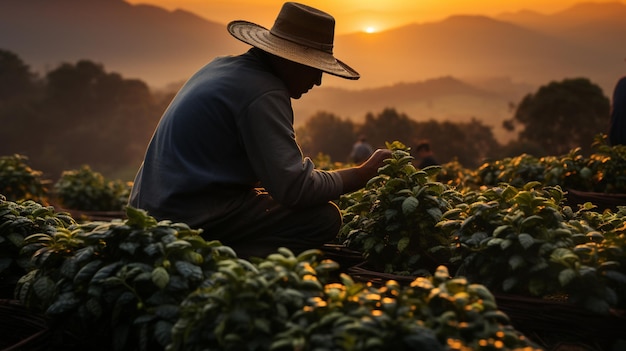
{"points": [[328, 48]]}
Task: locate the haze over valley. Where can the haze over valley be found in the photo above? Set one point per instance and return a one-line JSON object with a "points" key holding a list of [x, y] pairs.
{"points": [[453, 69]]}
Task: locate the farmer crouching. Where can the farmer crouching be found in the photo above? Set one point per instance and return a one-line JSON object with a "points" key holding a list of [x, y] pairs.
{"points": [[224, 156]]}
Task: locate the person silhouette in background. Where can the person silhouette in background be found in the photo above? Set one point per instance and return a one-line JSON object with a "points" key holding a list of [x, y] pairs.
{"points": [[224, 157], [425, 156], [361, 151], [617, 128]]}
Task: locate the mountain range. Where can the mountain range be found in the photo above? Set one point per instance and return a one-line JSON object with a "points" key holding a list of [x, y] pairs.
{"points": [[460, 67]]}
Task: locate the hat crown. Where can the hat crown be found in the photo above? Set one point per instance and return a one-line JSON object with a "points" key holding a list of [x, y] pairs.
{"points": [[306, 26]]}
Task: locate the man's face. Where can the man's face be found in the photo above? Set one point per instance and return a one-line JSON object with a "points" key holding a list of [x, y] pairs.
{"points": [[299, 78]]}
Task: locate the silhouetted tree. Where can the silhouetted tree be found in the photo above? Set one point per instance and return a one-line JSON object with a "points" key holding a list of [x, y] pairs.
{"points": [[16, 78], [389, 125], [326, 133], [469, 142], [19, 94], [562, 115], [79, 114], [107, 119]]}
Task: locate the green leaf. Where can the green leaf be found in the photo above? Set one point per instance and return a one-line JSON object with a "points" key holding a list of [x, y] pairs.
{"points": [[94, 307], [506, 243], [163, 332], [509, 283], [167, 311], [44, 288], [500, 229], [106, 272], [526, 240], [63, 304], [403, 243], [129, 247], [87, 272], [178, 245], [409, 205], [516, 262], [160, 277], [435, 213], [566, 276], [188, 270]]}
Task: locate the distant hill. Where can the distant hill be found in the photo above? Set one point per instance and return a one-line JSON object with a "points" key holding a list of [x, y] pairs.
{"points": [[470, 46], [444, 98], [161, 47], [460, 67], [138, 41]]}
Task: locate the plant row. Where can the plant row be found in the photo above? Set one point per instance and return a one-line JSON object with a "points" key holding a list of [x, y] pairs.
{"points": [[523, 241], [139, 284], [79, 189]]}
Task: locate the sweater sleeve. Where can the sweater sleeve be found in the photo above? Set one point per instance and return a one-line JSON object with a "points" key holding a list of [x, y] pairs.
{"points": [[268, 137]]}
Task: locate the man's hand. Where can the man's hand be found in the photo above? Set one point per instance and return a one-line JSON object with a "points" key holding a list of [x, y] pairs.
{"points": [[355, 178]]}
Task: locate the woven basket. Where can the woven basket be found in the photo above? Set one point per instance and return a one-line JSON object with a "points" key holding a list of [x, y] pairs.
{"points": [[22, 329]]}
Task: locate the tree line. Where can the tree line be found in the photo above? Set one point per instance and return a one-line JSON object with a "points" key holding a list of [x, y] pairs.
{"points": [[79, 114]]}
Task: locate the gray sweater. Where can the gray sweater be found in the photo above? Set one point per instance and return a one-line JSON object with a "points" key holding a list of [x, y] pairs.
{"points": [[230, 127]]}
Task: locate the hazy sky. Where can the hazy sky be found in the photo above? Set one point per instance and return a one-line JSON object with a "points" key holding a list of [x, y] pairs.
{"points": [[359, 15]]}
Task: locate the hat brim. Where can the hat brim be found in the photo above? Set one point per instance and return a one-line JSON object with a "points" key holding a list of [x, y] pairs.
{"points": [[260, 37]]}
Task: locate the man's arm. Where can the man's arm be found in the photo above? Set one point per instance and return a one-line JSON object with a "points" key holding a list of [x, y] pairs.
{"points": [[354, 178]]}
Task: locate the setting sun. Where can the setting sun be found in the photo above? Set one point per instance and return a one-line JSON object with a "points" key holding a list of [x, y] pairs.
{"points": [[351, 14]]}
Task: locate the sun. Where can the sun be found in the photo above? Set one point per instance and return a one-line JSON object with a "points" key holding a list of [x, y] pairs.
{"points": [[370, 29]]}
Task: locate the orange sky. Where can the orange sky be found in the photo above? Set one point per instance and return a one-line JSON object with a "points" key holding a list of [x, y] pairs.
{"points": [[358, 15]]}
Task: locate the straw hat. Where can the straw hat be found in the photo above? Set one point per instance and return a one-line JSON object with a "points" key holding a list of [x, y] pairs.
{"points": [[301, 34]]}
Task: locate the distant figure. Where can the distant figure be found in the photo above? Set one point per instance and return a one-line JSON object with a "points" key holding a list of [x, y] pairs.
{"points": [[617, 129], [361, 151], [425, 155]]}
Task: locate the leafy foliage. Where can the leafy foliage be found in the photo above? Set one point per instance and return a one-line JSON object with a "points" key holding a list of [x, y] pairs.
{"points": [[604, 171], [19, 220], [85, 189], [18, 181], [513, 239], [521, 241], [287, 302], [392, 221], [117, 284]]}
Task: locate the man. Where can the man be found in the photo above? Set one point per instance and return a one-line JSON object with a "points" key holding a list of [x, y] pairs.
{"points": [[425, 155], [361, 151], [224, 156]]}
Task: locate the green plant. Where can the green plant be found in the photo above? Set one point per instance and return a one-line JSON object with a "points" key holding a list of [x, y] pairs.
{"points": [[598, 274], [19, 220], [242, 306], [505, 238], [85, 189], [455, 175], [118, 284], [20, 182], [521, 241], [515, 171], [286, 302], [392, 221], [608, 166]]}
